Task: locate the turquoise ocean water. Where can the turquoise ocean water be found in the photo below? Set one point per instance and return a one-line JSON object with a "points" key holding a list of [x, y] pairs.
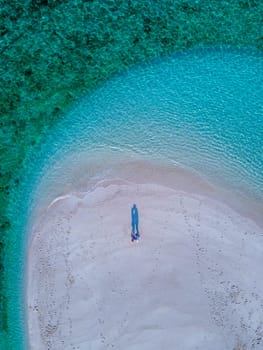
{"points": [[200, 109]]}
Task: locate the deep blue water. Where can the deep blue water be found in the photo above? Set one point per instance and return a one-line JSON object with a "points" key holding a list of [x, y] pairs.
{"points": [[199, 109]]}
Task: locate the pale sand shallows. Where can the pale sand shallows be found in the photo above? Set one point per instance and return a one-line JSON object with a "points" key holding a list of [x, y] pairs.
{"points": [[194, 281]]}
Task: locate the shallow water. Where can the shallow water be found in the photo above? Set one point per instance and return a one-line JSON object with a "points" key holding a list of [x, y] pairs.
{"points": [[200, 110]]}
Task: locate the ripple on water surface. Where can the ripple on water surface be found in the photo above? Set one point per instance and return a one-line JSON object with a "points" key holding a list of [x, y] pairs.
{"points": [[200, 109]]}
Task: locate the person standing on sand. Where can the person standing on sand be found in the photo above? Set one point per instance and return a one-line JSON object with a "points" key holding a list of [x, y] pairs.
{"points": [[135, 223]]}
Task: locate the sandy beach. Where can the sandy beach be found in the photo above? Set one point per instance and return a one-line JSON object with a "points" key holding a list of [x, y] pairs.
{"points": [[193, 281]]}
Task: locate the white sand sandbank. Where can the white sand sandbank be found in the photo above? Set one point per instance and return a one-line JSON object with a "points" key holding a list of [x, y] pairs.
{"points": [[194, 280]]}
